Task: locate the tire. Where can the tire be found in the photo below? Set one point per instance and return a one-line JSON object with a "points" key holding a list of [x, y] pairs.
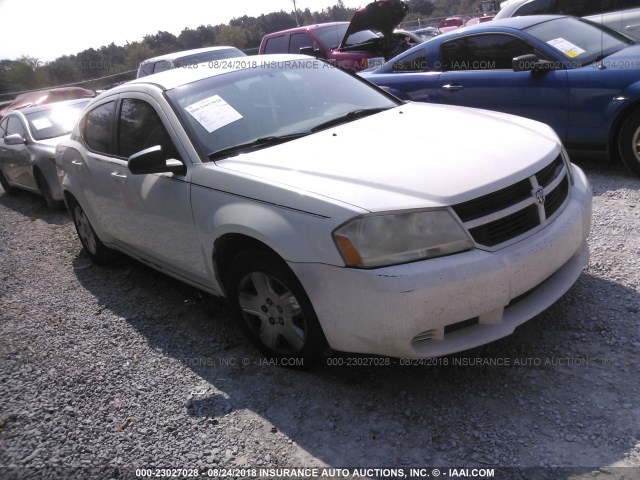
{"points": [[93, 246], [273, 310], [45, 190], [629, 143], [8, 189]]}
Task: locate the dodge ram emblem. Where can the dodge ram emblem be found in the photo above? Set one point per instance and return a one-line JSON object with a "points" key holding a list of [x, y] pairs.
{"points": [[539, 193]]}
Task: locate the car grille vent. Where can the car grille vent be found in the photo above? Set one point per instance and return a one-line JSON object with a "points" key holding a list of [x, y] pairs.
{"points": [[502, 217]]}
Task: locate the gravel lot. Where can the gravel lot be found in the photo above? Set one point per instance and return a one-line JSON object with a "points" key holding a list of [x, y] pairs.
{"points": [[107, 370]]}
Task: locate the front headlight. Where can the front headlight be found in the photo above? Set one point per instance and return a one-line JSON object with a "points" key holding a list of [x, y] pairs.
{"points": [[388, 239]]}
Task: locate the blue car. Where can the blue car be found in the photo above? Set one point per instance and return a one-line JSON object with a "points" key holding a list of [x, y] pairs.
{"points": [[579, 77]]}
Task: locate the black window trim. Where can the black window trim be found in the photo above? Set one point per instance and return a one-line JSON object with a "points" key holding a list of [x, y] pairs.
{"points": [[83, 123], [443, 64]]}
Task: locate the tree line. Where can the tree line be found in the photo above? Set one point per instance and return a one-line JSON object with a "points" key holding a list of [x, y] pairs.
{"points": [[112, 63]]}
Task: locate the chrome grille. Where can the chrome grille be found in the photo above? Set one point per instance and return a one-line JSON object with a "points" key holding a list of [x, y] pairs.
{"points": [[504, 216]]}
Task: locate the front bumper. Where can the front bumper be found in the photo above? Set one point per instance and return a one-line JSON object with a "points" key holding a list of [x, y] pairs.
{"points": [[449, 304]]}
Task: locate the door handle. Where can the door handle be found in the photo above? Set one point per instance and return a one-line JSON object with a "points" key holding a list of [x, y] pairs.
{"points": [[119, 177], [77, 163], [452, 88]]}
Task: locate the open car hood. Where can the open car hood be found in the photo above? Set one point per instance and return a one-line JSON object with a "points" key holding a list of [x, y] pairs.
{"points": [[381, 15]]}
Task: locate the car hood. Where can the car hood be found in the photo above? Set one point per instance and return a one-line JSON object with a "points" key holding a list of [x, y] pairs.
{"points": [[382, 15], [413, 156]]}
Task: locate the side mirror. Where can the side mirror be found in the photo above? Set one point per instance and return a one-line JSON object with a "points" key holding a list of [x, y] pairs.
{"points": [[312, 52], [14, 139], [151, 160], [530, 63]]}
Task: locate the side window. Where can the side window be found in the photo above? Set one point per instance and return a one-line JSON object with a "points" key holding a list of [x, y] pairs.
{"points": [[3, 127], [298, 41], [535, 7], [276, 45], [483, 52], [14, 125], [139, 127], [414, 62], [96, 128]]}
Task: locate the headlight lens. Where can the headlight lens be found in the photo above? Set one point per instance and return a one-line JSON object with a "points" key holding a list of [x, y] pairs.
{"points": [[382, 240]]}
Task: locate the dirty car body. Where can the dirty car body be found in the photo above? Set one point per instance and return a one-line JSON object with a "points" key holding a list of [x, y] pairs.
{"points": [[269, 185]]}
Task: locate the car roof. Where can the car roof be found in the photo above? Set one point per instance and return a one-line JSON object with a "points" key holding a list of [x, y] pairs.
{"points": [[517, 23], [48, 106], [185, 53], [177, 77], [304, 28]]}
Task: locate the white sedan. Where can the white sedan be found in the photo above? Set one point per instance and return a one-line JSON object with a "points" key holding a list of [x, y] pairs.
{"points": [[326, 211]]}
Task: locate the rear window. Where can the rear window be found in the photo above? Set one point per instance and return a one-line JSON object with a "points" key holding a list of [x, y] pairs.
{"points": [[276, 45], [54, 122]]}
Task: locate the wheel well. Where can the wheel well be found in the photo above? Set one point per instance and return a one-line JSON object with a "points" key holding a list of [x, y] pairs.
{"points": [[38, 176], [69, 200], [614, 134], [227, 247]]}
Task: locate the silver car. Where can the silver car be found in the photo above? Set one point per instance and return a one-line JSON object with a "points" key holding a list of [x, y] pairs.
{"points": [[620, 15], [28, 139]]}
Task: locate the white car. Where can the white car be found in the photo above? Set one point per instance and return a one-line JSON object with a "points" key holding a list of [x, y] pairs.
{"points": [[186, 59], [327, 211]]}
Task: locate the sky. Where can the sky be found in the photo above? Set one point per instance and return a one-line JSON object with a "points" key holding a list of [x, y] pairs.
{"points": [[48, 29]]}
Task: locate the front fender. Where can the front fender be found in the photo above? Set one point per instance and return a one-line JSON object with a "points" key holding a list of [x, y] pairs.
{"points": [[295, 235]]}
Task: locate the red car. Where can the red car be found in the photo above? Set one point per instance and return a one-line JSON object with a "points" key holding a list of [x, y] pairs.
{"points": [[41, 97], [367, 41], [452, 23]]}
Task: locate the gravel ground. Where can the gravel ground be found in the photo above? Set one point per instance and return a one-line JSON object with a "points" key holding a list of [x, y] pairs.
{"points": [[107, 370]]}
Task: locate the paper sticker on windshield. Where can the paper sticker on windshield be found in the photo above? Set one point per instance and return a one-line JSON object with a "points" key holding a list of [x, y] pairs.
{"points": [[41, 123], [213, 113], [566, 47]]}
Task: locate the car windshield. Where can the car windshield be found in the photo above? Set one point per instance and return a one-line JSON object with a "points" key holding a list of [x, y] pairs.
{"points": [[579, 40], [331, 36], [274, 100], [54, 122]]}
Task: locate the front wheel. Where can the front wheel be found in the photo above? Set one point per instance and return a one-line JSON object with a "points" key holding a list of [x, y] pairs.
{"points": [[272, 308], [93, 246], [629, 143]]}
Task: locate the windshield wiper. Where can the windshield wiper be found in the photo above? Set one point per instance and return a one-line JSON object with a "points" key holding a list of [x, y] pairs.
{"points": [[348, 117], [254, 145]]}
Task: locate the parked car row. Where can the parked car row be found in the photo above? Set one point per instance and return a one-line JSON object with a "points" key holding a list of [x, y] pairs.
{"points": [[266, 182], [330, 213]]}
